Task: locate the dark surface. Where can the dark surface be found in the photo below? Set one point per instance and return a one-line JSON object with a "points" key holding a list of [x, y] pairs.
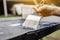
{"points": [[37, 34], [8, 32]]}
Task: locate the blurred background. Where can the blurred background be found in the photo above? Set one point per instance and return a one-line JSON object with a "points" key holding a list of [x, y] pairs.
{"points": [[10, 3]]}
